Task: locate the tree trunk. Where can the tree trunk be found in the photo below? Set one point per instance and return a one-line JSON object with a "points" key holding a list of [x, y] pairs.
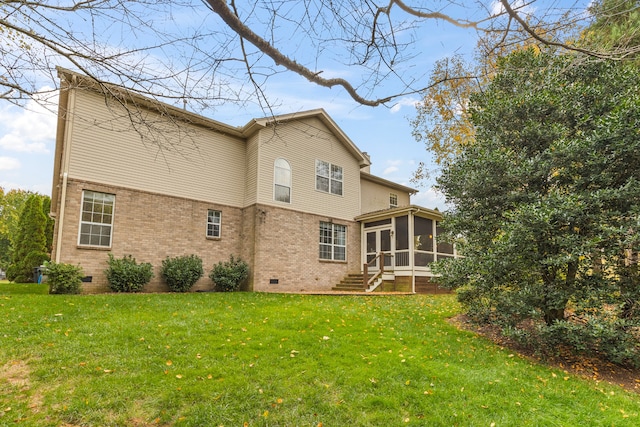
{"points": [[552, 315]]}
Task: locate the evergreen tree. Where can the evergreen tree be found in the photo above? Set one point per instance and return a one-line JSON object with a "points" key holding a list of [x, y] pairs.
{"points": [[11, 204], [30, 244], [547, 200], [48, 232]]}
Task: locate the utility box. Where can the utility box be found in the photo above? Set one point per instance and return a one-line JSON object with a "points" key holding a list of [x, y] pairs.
{"points": [[38, 274]]}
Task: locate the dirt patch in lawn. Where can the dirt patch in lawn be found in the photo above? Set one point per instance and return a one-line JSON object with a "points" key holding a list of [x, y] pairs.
{"points": [[16, 374], [587, 367]]}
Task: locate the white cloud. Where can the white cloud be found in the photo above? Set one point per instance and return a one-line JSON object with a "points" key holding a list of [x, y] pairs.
{"points": [[30, 129], [404, 102], [390, 170], [429, 198], [393, 166], [520, 6], [9, 163]]}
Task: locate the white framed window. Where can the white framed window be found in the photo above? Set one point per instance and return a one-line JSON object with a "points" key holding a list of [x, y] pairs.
{"points": [[214, 219], [333, 241], [96, 219], [282, 181], [328, 178], [393, 200]]}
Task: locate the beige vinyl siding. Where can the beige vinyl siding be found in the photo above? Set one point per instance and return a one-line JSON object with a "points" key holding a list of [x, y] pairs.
{"points": [[301, 143], [251, 192], [154, 153], [375, 196]]}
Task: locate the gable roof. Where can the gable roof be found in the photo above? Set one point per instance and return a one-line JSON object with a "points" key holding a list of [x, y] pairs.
{"points": [[373, 178], [258, 124]]}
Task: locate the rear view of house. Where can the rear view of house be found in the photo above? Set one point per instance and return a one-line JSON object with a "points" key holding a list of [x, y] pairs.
{"points": [[291, 195]]}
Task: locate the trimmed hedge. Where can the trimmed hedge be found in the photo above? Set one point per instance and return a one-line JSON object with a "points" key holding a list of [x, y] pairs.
{"points": [[229, 275], [126, 275], [182, 272], [63, 278]]}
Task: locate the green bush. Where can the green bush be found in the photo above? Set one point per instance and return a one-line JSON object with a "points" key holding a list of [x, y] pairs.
{"points": [[182, 272], [23, 272], [612, 339], [229, 275], [63, 278], [126, 275]]}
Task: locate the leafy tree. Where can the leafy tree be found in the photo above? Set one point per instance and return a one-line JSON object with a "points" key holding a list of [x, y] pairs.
{"points": [[548, 197], [616, 26], [30, 244], [442, 121], [11, 204]]}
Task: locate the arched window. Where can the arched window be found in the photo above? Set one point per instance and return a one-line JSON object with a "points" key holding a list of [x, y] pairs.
{"points": [[282, 181]]}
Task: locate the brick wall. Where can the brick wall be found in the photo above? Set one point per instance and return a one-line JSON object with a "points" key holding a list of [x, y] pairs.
{"points": [[287, 250], [279, 244], [150, 227]]}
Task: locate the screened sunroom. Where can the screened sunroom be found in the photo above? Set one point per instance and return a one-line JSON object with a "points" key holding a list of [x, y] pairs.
{"points": [[399, 245]]}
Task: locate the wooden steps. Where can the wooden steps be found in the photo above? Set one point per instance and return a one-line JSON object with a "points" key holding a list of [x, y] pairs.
{"points": [[351, 283]]}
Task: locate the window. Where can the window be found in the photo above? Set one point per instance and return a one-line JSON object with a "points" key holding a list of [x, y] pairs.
{"points": [[282, 181], [333, 241], [213, 223], [328, 178], [393, 200], [96, 219]]}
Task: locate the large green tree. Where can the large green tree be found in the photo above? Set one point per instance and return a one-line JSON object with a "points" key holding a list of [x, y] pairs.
{"points": [[547, 198], [11, 204], [442, 119], [30, 243]]}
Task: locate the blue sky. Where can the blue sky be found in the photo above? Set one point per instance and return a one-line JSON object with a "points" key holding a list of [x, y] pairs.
{"points": [[27, 135]]}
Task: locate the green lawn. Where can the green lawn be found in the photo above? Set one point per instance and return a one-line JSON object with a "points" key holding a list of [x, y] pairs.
{"points": [[210, 359], [7, 288]]}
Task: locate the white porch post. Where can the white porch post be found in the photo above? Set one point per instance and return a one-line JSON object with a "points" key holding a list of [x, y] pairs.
{"points": [[411, 252]]}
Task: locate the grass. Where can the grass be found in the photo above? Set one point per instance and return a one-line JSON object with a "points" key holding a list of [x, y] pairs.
{"points": [[22, 288], [209, 359]]}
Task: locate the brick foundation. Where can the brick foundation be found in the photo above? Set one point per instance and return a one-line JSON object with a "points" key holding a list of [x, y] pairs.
{"points": [[279, 244]]}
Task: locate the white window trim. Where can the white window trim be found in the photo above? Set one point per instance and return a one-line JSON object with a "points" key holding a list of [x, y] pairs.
{"points": [[333, 244], [219, 224], [290, 186], [81, 222], [331, 165], [391, 197]]}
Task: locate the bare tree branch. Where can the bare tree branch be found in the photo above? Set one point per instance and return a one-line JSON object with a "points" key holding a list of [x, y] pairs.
{"points": [[177, 52]]}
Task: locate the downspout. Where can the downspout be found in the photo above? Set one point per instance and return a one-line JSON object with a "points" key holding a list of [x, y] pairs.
{"points": [[65, 170]]}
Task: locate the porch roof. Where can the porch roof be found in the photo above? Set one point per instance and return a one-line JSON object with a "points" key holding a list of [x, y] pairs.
{"points": [[401, 210]]}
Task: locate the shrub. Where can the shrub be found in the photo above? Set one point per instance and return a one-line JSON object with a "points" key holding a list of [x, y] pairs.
{"points": [[22, 272], [125, 275], [63, 278], [611, 339], [182, 272], [229, 275]]}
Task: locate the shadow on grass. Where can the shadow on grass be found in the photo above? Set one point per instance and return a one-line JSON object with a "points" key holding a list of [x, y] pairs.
{"points": [[9, 288]]}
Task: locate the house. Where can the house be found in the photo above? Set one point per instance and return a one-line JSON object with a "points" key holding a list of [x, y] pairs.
{"points": [[292, 195]]}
